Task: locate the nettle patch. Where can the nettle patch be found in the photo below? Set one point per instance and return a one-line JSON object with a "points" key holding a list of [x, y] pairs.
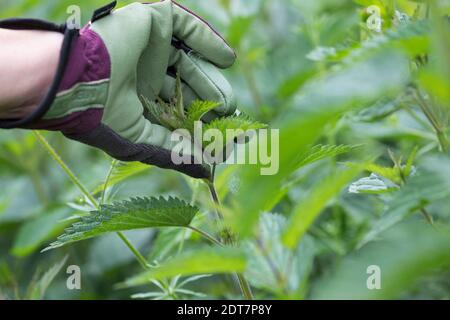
{"points": [[336, 191], [160, 212]]}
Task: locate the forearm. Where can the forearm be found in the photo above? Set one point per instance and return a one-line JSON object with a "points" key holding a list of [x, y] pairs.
{"points": [[28, 62]]}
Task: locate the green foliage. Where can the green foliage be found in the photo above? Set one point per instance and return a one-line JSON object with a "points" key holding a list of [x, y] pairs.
{"points": [[321, 102], [412, 38], [312, 205], [173, 116], [136, 213], [274, 268], [427, 186], [199, 261], [319, 152], [168, 114], [172, 290], [404, 257], [35, 232], [329, 84], [122, 172], [37, 290], [242, 126], [196, 111]]}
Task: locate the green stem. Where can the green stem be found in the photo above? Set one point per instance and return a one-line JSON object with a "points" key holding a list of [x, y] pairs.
{"points": [[142, 261], [206, 235], [228, 238], [427, 216], [438, 128], [397, 164], [86, 193], [192, 202], [215, 198], [66, 169], [105, 185]]}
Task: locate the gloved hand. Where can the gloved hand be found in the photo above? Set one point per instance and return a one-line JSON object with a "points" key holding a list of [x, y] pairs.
{"points": [[119, 57]]}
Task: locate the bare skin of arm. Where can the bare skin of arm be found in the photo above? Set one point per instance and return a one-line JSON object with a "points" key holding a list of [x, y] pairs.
{"points": [[28, 63]]}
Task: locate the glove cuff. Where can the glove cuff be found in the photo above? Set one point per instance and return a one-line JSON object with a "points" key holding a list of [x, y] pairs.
{"points": [[70, 36]]}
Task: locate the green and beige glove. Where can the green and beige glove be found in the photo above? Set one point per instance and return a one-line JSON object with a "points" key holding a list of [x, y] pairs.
{"points": [[120, 57]]}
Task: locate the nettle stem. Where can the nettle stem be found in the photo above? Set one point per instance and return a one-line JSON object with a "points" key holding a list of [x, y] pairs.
{"points": [[139, 257], [226, 235], [438, 127]]}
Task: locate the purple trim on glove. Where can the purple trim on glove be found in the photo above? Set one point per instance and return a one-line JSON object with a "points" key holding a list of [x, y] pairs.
{"points": [[88, 61], [76, 123]]}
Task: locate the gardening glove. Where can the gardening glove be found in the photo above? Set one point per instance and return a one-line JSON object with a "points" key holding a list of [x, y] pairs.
{"points": [[120, 58]]}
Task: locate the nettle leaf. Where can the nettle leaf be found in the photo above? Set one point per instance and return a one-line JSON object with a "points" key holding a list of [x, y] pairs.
{"points": [[166, 113], [319, 102], [173, 116], [197, 110], [428, 185], [121, 172], [320, 151], [390, 173], [372, 185], [241, 123], [200, 261], [273, 267], [136, 213]]}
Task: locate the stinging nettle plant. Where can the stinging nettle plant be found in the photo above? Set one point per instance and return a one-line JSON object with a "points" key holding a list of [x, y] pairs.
{"points": [[159, 212], [284, 234]]}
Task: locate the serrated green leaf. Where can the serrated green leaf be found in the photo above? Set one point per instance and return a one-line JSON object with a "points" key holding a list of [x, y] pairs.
{"points": [[240, 123], [320, 102], [201, 261], [273, 267], [136, 213], [319, 152], [196, 111]]}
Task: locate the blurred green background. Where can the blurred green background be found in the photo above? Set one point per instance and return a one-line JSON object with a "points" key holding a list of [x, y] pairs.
{"points": [[289, 52]]}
